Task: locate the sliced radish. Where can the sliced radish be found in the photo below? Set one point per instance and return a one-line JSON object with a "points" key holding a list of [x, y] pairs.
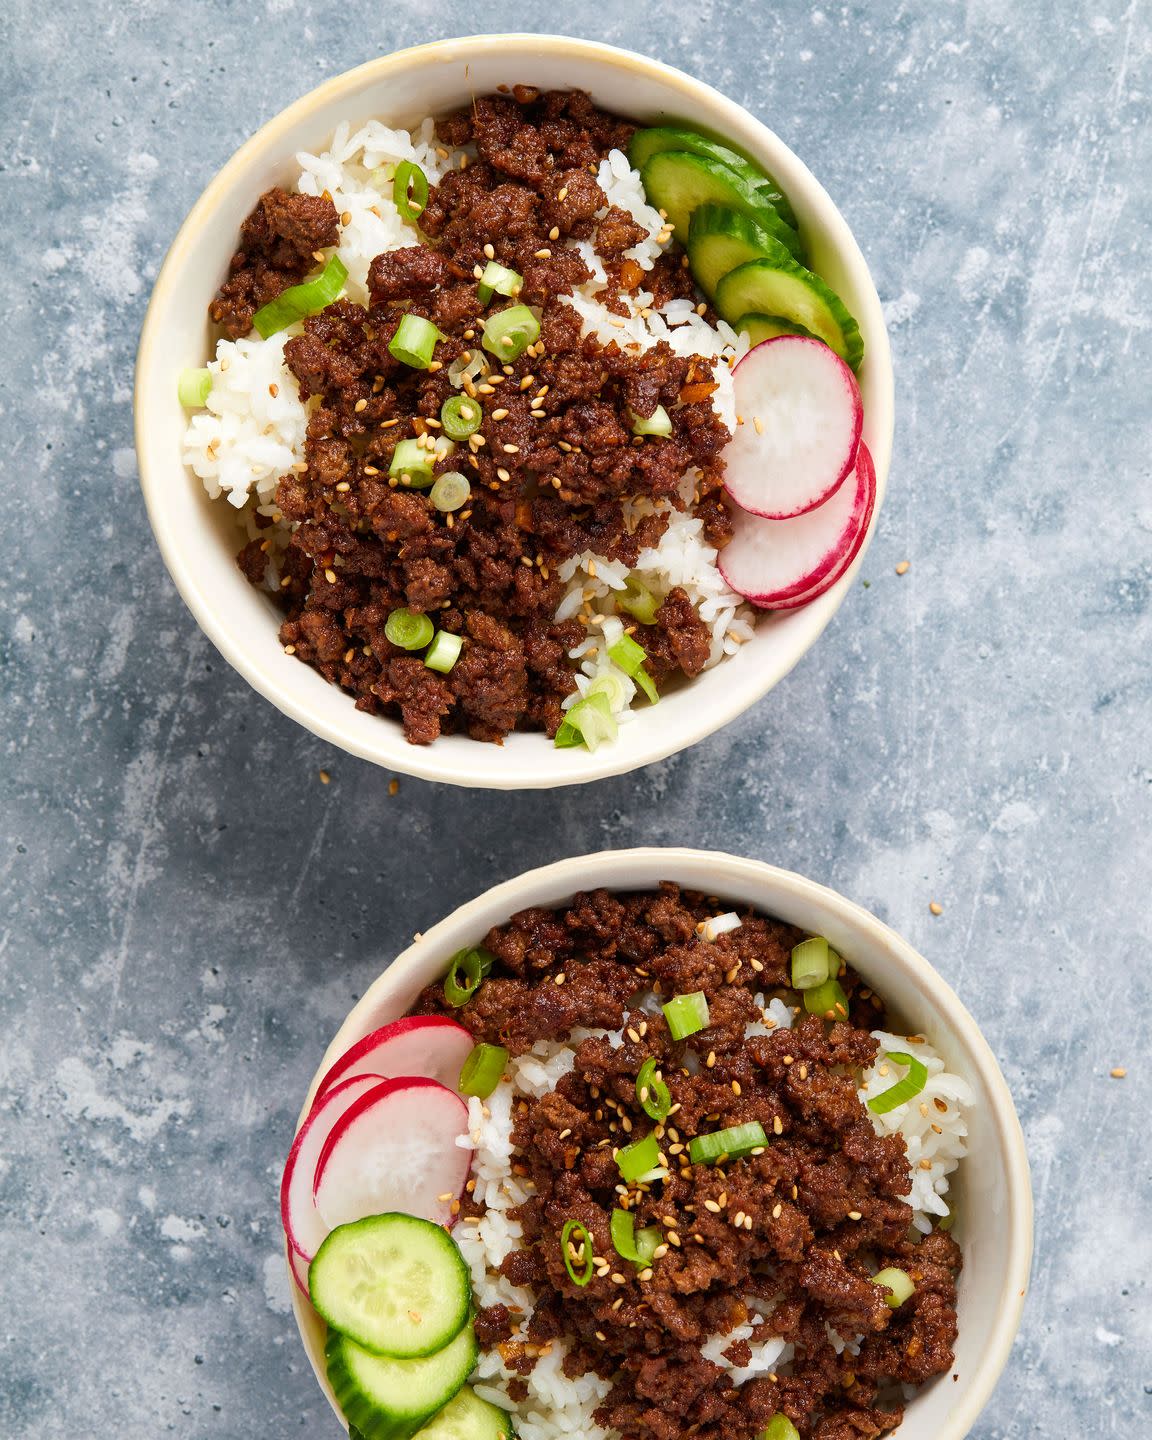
{"points": [[299, 1267], [770, 561], [801, 412], [394, 1149], [431, 1046], [302, 1225], [795, 601]]}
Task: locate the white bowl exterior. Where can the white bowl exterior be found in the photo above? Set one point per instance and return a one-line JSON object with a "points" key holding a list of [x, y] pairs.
{"points": [[991, 1190], [198, 538]]}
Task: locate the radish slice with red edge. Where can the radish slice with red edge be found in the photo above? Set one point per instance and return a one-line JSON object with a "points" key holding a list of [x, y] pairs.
{"points": [[805, 597], [802, 415], [299, 1267], [302, 1225], [774, 561], [395, 1148], [432, 1046]]}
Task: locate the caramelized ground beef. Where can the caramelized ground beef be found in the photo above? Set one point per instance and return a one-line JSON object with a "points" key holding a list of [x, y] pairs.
{"points": [[823, 1203], [554, 461]]}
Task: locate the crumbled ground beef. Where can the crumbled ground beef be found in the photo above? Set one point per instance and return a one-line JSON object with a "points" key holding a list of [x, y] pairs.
{"points": [[554, 461], [799, 1228]]}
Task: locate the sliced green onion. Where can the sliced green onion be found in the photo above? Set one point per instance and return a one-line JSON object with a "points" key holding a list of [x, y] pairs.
{"points": [[589, 722], [947, 1221], [508, 333], [614, 686], [903, 1090], [410, 190], [638, 601], [810, 963], [630, 657], [658, 423], [653, 1094], [450, 492], [193, 388], [300, 300], [730, 1144], [414, 341], [686, 1014], [482, 1070], [412, 465], [584, 1244], [382, 176], [408, 629], [639, 1246], [640, 1161], [468, 967], [828, 1000], [444, 651], [900, 1284], [779, 1428], [498, 279], [460, 417]]}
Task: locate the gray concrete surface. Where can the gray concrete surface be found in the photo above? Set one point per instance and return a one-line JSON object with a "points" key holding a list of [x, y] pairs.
{"points": [[187, 911]]}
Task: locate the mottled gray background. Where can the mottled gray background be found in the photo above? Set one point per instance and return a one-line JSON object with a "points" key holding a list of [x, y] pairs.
{"points": [[188, 912]]}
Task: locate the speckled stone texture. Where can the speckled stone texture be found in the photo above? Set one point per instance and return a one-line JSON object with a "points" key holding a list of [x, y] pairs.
{"points": [[188, 912]]}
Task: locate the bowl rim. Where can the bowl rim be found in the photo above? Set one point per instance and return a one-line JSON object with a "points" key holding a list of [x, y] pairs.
{"points": [[719, 872], [257, 664]]}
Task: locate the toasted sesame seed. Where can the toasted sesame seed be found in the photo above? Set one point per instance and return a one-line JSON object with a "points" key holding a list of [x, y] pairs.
{"points": [[544, 254], [489, 252], [559, 980], [711, 1060], [503, 474], [537, 414], [500, 414], [925, 1164], [343, 487], [511, 449], [330, 576], [289, 649], [1118, 1072], [617, 1278], [735, 1087], [712, 1206], [645, 1274], [789, 1059], [633, 1035], [562, 193], [903, 567], [360, 405]]}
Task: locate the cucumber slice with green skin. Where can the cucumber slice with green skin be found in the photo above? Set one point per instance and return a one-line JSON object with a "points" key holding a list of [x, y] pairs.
{"points": [[394, 1284], [389, 1399], [467, 1417], [764, 287], [720, 238], [678, 183], [769, 327], [658, 138]]}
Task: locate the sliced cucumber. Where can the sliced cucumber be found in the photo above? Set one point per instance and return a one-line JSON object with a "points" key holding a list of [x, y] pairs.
{"points": [[467, 1417], [764, 287], [720, 238], [388, 1399], [769, 327], [395, 1284], [658, 138], [678, 182]]}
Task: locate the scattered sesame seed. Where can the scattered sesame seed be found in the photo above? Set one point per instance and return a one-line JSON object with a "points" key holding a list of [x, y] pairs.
{"points": [[543, 254], [289, 649], [903, 567], [633, 1035], [925, 1164], [711, 1060], [1118, 1072], [511, 449], [330, 576], [777, 1125], [360, 405], [712, 1206], [393, 787], [936, 908], [343, 487], [489, 252], [563, 193], [789, 1060], [560, 978]]}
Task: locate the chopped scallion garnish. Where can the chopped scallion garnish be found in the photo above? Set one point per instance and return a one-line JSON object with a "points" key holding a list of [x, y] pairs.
{"points": [[899, 1282], [903, 1090], [638, 1246], [810, 963], [658, 423], [686, 1014], [482, 1070], [460, 417], [414, 341], [410, 190], [412, 465], [468, 967], [589, 722], [576, 1249], [779, 1428], [638, 601], [640, 1161], [444, 651], [631, 657], [731, 1144], [408, 629], [508, 333], [300, 300], [498, 280], [193, 388], [653, 1094], [828, 1000], [450, 492]]}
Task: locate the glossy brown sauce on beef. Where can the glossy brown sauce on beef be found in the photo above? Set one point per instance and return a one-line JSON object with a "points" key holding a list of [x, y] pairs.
{"points": [[821, 1208], [555, 460]]}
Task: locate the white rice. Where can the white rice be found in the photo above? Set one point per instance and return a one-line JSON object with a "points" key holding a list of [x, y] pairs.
{"points": [[557, 1406], [253, 427]]}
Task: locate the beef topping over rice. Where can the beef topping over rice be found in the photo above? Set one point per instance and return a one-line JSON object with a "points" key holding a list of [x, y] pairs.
{"points": [[551, 468], [783, 1242]]}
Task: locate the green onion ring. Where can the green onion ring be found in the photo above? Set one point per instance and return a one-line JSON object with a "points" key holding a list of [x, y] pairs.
{"points": [[654, 1096], [578, 1228], [482, 1070], [903, 1090], [410, 190]]}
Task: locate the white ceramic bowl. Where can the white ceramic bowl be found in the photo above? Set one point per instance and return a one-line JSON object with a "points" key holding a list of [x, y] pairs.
{"points": [[198, 538], [991, 1189]]}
